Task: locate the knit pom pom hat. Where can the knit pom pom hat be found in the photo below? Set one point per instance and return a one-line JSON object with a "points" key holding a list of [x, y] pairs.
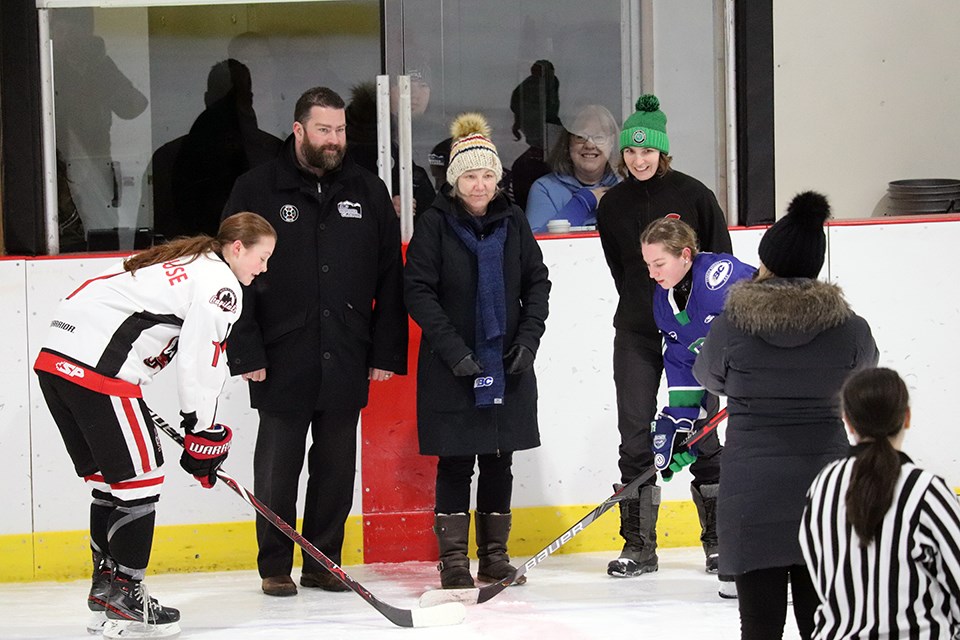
{"points": [[647, 127], [471, 147], [795, 246]]}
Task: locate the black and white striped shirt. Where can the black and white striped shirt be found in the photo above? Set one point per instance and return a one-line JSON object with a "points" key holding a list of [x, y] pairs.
{"points": [[906, 582]]}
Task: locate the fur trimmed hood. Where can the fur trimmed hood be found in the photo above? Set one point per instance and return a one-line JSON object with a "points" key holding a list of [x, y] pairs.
{"points": [[786, 312]]}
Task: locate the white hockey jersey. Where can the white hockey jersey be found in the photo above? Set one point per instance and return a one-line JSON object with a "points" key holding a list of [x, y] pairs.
{"points": [[116, 331]]}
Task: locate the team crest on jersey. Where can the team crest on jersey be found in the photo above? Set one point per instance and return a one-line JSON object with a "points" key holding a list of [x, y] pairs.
{"points": [[349, 209], [717, 274], [289, 213], [639, 136], [226, 299], [659, 440]]}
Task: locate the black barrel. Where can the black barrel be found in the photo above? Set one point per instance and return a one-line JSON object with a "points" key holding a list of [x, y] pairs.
{"points": [[923, 196]]}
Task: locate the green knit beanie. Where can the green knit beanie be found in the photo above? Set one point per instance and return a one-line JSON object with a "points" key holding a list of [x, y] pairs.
{"points": [[647, 127]]}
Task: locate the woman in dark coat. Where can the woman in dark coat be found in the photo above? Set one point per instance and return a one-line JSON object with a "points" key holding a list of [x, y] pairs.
{"points": [[780, 353], [476, 284]]}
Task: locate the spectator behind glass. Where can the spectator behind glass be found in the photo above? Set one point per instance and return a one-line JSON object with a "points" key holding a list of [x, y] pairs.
{"points": [[582, 172], [362, 146], [476, 284], [780, 352], [535, 104], [879, 514], [224, 142]]}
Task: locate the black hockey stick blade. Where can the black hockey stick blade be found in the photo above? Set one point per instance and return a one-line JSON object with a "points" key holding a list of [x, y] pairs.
{"points": [[443, 614], [479, 595]]}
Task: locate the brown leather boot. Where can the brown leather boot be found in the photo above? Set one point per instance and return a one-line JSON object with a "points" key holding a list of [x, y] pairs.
{"points": [[452, 532], [493, 531], [279, 586]]}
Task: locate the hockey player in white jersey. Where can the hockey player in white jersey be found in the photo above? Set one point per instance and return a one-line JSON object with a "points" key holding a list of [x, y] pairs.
{"points": [[110, 336]]}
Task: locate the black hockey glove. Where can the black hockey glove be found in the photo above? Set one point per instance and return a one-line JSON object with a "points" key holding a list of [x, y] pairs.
{"points": [[204, 452], [518, 359], [468, 366]]}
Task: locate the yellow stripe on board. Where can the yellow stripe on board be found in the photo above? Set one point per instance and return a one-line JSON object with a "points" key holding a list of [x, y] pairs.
{"points": [[228, 546]]}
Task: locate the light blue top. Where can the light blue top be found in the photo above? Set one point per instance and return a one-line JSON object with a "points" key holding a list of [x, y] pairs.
{"points": [[558, 196]]}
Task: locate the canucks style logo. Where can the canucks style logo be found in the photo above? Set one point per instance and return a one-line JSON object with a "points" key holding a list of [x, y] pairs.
{"points": [[289, 213], [226, 299], [349, 209], [718, 274], [639, 136]]}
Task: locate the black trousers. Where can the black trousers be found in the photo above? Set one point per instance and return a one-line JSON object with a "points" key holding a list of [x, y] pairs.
{"points": [[762, 596], [331, 467], [494, 485], [637, 369]]}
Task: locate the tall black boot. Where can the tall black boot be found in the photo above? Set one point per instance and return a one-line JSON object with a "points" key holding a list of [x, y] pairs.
{"points": [[493, 531], [638, 526], [705, 497], [453, 531]]}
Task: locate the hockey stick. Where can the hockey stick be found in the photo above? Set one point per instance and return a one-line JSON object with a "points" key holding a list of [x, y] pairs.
{"points": [[479, 595], [444, 614]]}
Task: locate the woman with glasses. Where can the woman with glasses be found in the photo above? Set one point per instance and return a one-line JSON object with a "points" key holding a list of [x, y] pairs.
{"points": [[581, 174]]}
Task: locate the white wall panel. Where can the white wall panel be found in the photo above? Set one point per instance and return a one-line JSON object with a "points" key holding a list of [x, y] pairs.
{"points": [[15, 499]]}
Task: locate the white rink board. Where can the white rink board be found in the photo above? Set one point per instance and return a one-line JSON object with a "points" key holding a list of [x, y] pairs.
{"points": [[899, 277], [577, 462], [15, 500]]}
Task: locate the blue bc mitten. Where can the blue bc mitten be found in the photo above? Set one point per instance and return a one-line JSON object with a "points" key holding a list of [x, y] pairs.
{"points": [[666, 433]]}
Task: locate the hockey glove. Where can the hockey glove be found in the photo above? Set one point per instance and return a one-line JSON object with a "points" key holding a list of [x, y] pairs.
{"points": [[204, 452], [518, 359], [468, 366], [664, 437]]}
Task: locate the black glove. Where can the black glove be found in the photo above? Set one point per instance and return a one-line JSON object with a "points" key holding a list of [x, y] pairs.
{"points": [[468, 366], [204, 452], [518, 359]]}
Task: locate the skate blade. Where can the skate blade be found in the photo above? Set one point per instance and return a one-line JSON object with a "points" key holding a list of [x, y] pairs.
{"points": [[96, 622], [131, 629]]}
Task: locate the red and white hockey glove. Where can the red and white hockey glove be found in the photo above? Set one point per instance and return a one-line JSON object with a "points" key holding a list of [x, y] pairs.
{"points": [[204, 452]]}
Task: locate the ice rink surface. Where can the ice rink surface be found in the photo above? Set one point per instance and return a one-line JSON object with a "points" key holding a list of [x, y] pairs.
{"points": [[567, 596]]}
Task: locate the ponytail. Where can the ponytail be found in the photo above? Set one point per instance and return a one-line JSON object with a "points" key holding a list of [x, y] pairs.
{"points": [[248, 228], [875, 404]]}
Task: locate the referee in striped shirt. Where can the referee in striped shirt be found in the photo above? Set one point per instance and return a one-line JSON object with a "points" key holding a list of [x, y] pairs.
{"points": [[880, 536]]}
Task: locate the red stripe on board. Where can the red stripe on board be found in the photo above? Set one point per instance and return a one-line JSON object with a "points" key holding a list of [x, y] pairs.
{"points": [[137, 433]]}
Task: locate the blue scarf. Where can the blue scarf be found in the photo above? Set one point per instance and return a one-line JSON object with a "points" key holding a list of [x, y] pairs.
{"points": [[491, 309]]}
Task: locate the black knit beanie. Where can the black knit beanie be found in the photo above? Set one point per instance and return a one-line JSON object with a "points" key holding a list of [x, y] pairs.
{"points": [[795, 246]]}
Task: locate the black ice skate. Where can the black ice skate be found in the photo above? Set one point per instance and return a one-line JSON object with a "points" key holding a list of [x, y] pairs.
{"points": [[625, 567], [99, 592], [132, 613]]}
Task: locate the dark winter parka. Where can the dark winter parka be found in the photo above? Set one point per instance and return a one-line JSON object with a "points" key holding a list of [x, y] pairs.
{"points": [[780, 353], [441, 296], [330, 305]]}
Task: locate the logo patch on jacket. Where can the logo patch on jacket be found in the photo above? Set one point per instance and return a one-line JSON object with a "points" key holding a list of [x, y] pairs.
{"points": [[349, 209], [226, 299], [718, 274], [289, 213]]}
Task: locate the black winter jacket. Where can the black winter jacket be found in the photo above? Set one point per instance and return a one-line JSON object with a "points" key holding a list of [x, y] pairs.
{"points": [[780, 353], [330, 305], [441, 295], [622, 215]]}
